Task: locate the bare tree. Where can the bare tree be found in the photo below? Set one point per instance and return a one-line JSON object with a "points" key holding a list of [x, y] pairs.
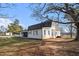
{"points": [[68, 9]]}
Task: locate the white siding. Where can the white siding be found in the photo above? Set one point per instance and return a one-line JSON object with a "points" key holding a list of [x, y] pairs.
{"points": [[9, 34], [58, 33], [34, 35], [54, 32], [47, 35]]}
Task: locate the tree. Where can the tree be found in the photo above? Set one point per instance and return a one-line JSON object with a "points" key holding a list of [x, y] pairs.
{"points": [[69, 11], [14, 27], [3, 29]]}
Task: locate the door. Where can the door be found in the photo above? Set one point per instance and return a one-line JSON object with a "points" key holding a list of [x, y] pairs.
{"points": [[25, 34]]}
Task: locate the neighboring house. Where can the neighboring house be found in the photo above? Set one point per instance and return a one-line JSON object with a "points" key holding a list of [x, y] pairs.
{"points": [[5, 34], [44, 30], [8, 34]]}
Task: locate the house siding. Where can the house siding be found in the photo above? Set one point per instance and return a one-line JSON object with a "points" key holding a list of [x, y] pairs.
{"points": [[46, 35], [34, 35], [51, 32], [54, 31]]}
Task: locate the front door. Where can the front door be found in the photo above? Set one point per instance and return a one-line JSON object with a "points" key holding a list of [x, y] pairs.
{"points": [[25, 34]]}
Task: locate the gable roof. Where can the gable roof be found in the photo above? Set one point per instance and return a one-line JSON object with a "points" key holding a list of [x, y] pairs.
{"points": [[47, 23]]}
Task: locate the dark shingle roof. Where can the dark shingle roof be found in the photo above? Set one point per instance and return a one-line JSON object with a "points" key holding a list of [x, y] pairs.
{"points": [[40, 25]]}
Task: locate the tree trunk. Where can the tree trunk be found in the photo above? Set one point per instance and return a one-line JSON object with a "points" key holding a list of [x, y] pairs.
{"points": [[77, 32], [71, 31]]}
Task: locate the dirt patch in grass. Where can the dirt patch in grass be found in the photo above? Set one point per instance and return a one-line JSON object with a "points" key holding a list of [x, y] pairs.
{"points": [[20, 47], [11, 46]]}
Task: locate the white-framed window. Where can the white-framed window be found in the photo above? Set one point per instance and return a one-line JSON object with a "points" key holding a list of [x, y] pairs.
{"points": [[44, 32], [52, 32], [33, 32], [48, 32], [29, 32], [36, 32]]}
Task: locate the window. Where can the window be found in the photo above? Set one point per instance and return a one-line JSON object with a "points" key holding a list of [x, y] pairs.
{"points": [[29, 32], [36, 32], [52, 32], [33, 33], [44, 32], [48, 32]]}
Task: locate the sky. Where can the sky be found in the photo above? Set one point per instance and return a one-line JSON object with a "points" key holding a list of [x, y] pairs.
{"points": [[22, 12], [19, 11]]}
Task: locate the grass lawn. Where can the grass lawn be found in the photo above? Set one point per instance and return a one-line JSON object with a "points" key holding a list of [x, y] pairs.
{"points": [[11, 46], [14, 40], [21, 46]]}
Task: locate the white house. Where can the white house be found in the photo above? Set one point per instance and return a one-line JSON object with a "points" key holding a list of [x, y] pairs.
{"points": [[44, 30], [8, 34]]}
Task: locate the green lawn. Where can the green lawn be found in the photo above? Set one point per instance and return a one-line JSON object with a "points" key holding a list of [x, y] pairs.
{"points": [[12, 46], [18, 41]]}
